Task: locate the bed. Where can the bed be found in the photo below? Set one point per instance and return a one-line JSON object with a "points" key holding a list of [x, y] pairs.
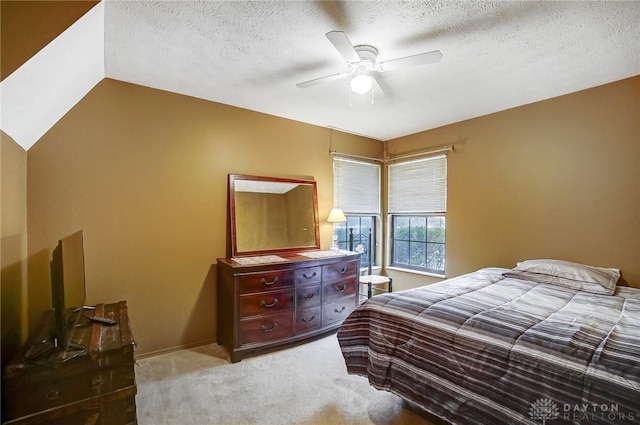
{"points": [[546, 340]]}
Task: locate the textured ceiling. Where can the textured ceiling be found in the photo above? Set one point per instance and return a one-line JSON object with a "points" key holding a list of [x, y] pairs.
{"points": [[496, 55]]}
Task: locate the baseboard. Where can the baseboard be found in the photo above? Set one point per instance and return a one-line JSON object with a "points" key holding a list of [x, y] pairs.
{"points": [[174, 349]]}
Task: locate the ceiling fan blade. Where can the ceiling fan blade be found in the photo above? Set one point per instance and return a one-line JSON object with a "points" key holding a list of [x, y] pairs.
{"points": [[342, 44], [326, 79], [378, 80], [409, 61]]}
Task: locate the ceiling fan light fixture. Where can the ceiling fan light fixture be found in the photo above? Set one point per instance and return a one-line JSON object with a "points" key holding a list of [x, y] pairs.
{"points": [[361, 83]]}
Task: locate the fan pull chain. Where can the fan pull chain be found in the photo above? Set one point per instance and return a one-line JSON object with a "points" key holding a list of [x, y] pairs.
{"points": [[351, 94]]}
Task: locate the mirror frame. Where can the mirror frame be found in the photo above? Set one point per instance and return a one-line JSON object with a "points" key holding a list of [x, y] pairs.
{"points": [[232, 215]]}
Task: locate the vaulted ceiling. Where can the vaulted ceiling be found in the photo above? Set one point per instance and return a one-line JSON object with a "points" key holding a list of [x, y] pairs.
{"points": [[496, 55]]}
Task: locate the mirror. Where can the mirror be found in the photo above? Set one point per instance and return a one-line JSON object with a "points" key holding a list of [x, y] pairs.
{"points": [[269, 214]]}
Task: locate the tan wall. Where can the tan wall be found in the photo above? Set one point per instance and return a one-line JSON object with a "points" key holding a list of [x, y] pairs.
{"points": [[554, 179], [144, 173], [27, 26], [13, 249]]}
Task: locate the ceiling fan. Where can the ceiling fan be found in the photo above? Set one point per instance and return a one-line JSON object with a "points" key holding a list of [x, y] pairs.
{"points": [[363, 64]]}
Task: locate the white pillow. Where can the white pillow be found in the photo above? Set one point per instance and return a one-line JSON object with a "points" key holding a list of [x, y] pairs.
{"points": [[599, 280]]}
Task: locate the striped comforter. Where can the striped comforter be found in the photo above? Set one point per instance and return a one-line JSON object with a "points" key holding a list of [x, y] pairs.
{"points": [[486, 349]]}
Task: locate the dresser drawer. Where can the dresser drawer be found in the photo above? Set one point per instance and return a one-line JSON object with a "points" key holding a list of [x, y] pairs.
{"points": [[339, 270], [267, 328], [116, 408], [266, 302], [339, 288], [57, 387], [337, 311], [308, 296], [263, 281], [309, 275], [308, 319]]}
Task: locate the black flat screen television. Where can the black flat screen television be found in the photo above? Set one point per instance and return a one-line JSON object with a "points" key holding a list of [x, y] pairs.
{"points": [[67, 288]]}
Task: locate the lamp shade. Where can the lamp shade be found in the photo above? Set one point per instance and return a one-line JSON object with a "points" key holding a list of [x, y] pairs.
{"points": [[336, 216]]}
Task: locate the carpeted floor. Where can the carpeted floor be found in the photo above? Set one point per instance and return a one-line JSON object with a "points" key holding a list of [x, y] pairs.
{"points": [[305, 385]]}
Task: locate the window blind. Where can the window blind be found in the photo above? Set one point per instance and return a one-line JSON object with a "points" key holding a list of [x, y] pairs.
{"points": [[356, 186], [418, 186]]}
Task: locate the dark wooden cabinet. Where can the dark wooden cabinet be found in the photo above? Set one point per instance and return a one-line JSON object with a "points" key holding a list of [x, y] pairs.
{"points": [[90, 386], [265, 306]]}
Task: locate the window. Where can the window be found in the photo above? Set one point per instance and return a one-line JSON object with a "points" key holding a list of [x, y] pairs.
{"points": [[358, 226], [418, 242], [357, 192], [417, 210]]}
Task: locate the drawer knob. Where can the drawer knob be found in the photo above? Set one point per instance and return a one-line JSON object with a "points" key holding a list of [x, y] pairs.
{"points": [[305, 320], [273, 304], [52, 395], [308, 296], [310, 276], [342, 270], [265, 329], [265, 282], [341, 289], [339, 311]]}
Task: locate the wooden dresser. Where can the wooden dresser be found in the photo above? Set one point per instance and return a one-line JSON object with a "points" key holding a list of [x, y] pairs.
{"points": [[94, 386], [268, 305]]}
